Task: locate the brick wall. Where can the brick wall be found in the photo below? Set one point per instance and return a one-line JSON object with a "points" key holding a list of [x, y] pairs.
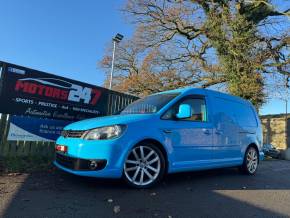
{"points": [[276, 131]]}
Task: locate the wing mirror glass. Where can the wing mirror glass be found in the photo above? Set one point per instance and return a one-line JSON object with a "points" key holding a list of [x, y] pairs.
{"points": [[184, 111]]}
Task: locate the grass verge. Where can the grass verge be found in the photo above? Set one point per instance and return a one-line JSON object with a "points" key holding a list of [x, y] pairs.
{"points": [[25, 164]]}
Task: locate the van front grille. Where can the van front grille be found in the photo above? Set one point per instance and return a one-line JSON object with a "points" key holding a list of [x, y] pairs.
{"points": [[73, 133]]}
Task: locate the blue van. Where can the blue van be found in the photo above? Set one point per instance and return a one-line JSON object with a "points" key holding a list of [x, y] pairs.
{"points": [[168, 132]]}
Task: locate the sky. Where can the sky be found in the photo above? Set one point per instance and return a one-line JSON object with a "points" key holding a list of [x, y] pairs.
{"points": [[69, 37]]}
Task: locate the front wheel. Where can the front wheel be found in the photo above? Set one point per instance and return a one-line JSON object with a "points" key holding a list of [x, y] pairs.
{"points": [[144, 166], [251, 161]]}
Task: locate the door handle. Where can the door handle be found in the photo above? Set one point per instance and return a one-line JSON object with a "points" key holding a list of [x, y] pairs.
{"points": [[167, 131], [218, 132], [206, 131]]}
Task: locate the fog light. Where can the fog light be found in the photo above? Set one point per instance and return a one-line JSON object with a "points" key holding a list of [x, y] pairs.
{"points": [[93, 165]]}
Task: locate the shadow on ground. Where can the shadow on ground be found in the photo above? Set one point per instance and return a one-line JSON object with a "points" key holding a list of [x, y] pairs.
{"points": [[214, 193]]}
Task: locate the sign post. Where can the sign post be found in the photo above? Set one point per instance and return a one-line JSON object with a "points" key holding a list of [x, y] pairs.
{"points": [[44, 103], [33, 93], [34, 129]]}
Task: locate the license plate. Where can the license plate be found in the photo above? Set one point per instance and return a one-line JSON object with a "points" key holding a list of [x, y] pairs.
{"points": [[61, 148]]}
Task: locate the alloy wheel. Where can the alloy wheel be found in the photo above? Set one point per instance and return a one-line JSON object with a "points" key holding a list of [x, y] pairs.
{"points": [[252, 160], [143, 166]]}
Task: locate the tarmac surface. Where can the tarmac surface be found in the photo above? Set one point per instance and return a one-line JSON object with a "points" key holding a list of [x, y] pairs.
{"points": [[214, 193]]}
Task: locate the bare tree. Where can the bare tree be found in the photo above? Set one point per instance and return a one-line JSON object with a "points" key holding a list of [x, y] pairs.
{"points": [[279, 89], [144, 70], [203, 43]]}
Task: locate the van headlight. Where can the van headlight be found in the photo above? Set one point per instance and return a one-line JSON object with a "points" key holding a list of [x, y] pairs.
{"points": [[106, 132]]}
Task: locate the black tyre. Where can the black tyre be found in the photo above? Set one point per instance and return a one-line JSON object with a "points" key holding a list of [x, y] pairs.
{"points": [[145, 166], [251, 161]]}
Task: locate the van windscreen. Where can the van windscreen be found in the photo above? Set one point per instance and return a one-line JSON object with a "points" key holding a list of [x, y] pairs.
{"points": [[150, 104]]}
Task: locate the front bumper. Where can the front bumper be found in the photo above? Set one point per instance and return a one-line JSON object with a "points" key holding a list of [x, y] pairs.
{"points": [[80, 164], [105, 173], [108, 154]]}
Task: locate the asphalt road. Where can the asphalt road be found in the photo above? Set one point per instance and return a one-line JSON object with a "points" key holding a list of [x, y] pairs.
{"points": [[215, 193]]}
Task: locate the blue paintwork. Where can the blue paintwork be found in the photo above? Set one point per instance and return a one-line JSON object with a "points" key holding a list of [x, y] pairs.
{"points": [[221, 141]]}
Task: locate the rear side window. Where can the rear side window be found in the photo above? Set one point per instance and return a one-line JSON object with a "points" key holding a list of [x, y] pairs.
{"points": [[246, 116], [232, 111], [198, 110]]}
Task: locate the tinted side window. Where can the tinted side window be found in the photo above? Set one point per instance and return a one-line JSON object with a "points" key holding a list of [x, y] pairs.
{"points": [[198, 108], [246, 117], [227, 111]]}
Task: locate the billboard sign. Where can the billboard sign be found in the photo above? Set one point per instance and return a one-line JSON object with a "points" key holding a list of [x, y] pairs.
{"points": [[34, 129], [34, 93]]}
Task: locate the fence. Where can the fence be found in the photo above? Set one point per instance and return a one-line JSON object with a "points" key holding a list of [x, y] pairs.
{"points": [[117, 101]]}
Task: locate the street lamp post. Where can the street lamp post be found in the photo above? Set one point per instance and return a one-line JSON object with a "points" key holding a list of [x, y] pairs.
{"points": [[116, 39]]}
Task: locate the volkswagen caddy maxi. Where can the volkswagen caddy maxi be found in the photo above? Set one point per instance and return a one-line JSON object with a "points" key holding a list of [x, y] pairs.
{"points": [[173, 131]]}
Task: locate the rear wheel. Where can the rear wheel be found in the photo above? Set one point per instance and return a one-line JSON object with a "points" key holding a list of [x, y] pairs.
{"points": [[144, 166], [251, 161]]}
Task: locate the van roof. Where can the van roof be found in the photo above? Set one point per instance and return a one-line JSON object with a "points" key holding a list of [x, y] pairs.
{"points": [[189, 90]]}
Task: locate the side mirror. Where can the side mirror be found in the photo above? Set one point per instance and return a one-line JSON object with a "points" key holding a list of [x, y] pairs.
{"points": [[184, 111]]}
